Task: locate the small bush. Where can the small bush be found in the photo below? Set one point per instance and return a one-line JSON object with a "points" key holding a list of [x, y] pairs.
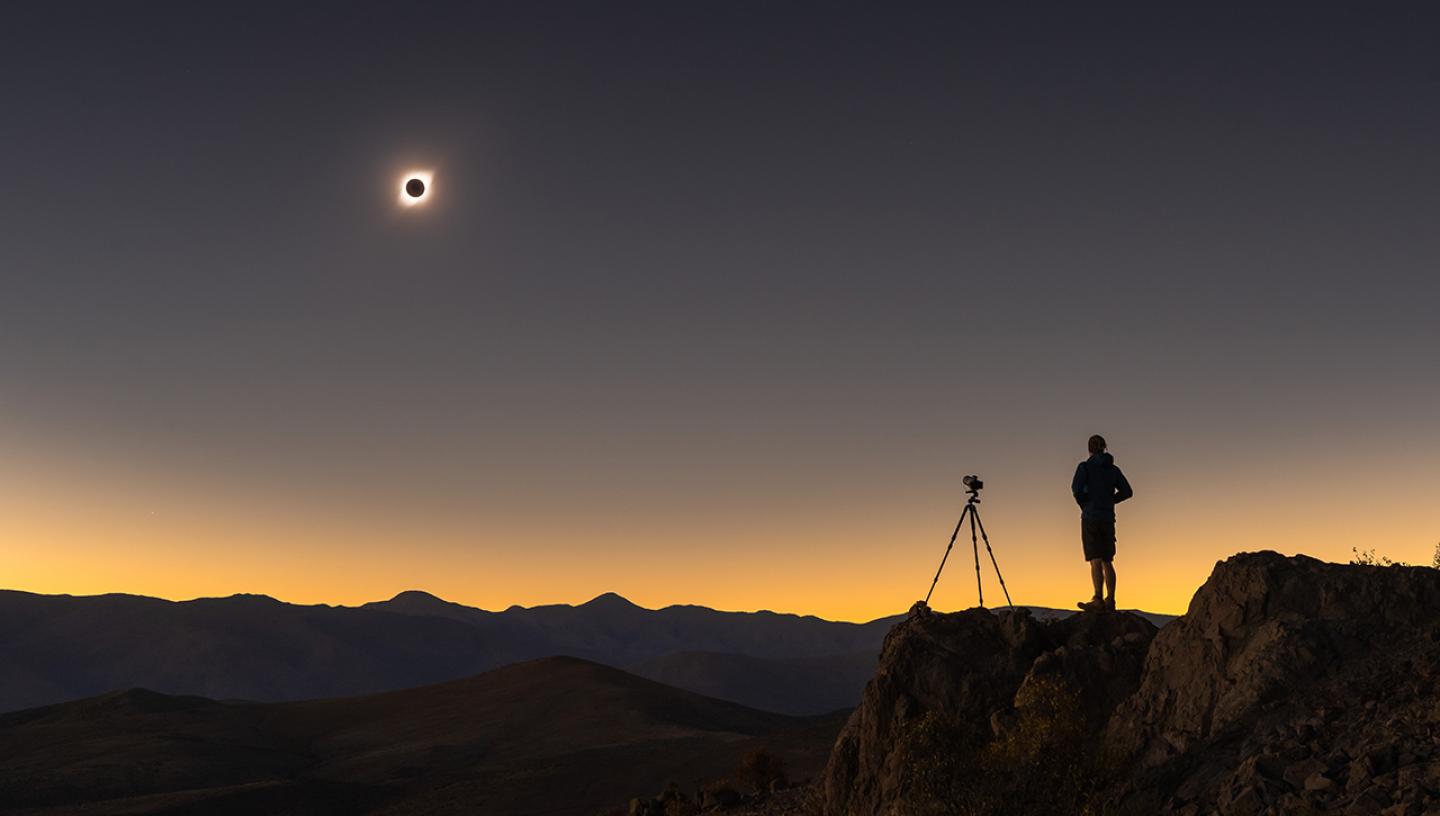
{"points": [[1368, 558], [940, 758], [760, 769], [722, 794], [1048, 763]]}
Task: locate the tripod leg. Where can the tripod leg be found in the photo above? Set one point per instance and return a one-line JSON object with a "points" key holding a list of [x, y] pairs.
{"points": [[975, 550], [993, 562], [953, 536]]}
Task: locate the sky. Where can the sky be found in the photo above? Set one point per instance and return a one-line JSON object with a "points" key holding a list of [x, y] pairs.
{"points": [[711, 302]]}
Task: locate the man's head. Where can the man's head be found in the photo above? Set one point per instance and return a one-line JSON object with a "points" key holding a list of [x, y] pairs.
{"points": [[1097, 444]]}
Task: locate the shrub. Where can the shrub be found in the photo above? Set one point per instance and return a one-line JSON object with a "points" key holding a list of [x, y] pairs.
{"points": [[1368, 558], [1048, 763], [721, 794], [939, 755], [760, 769]]}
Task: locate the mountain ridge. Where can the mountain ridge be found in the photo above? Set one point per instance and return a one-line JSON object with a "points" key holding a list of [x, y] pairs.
{"points": [[61, 647], [254, 647], [607, 596]]}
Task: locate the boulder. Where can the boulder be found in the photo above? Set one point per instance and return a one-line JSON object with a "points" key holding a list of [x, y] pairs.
{"points": [[1329, 669], [1290, 686], [974, 670]]}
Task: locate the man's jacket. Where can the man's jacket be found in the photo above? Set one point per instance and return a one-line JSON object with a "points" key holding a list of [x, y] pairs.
{"points": [[1099, 486]]}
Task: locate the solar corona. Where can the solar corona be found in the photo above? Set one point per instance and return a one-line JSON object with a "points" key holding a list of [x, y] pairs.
{"points": [[415, 188]]}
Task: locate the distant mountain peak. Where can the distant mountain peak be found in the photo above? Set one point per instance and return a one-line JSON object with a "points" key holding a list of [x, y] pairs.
{"points": [[417, 596], [609, 600], [420, 602], [250, 597]]}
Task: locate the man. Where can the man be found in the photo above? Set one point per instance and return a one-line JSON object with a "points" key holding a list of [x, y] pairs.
{"points": [[1098, 486]]}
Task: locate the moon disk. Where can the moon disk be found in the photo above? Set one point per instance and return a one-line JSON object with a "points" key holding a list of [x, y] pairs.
{"points": [[415, 188]]}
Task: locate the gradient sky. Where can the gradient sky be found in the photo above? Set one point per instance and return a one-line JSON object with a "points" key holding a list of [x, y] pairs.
{"points": [[714, 302]]}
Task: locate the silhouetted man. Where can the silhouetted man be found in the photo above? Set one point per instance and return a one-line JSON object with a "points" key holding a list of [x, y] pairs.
{"points": [[1099, 486]]}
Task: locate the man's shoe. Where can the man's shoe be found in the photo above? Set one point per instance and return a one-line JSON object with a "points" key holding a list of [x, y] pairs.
{"points": [[1092, 605], [1109, 604]]}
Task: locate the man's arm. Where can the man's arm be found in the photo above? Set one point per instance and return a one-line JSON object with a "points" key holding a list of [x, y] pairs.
{"points": [[1122, 487], [1080, 485]]}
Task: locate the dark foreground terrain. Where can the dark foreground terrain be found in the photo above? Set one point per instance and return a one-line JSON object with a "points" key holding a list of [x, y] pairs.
{"points": [[550, 736], [1291, 686]]}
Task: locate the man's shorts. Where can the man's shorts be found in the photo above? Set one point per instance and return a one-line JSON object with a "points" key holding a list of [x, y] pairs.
{"points": [[1098, 537]]}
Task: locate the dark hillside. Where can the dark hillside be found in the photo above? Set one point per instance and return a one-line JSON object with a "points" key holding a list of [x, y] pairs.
{"points": [[551, 736]]}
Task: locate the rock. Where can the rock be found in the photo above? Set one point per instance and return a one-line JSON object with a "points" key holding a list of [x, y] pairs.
{"points": [[1283, 654], [1414, 775], [1361, 771], [1248, 800], [1289, 686], [721, 796], [1002, 722], [1298, 774], [974, 670], [1366, 805], [1318, 782], [1336, 761]]}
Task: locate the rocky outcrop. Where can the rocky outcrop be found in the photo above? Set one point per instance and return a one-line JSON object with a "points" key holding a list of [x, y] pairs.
{"points": [[972, 669], [1291, 685]]}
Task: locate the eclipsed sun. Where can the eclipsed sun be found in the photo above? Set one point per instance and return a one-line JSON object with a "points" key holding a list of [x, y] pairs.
{"points": [[415, 188]]}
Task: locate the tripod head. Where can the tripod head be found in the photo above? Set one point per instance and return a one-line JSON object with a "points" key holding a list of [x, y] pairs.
{"points": [[972, 486]]}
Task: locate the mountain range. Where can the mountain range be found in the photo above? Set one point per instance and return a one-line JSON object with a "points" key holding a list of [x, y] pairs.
{"points": [[252, 647], [1289, 686]]}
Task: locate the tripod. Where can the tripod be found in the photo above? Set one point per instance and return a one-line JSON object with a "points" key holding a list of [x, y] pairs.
{"points": [[972, 511]]}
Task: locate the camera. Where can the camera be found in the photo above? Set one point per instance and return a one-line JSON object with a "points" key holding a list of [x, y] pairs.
{"points": [[973, 482]]}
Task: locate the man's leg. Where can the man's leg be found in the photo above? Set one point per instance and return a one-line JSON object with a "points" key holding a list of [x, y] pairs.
{"points": [[1097, 574], [1109, 582]]}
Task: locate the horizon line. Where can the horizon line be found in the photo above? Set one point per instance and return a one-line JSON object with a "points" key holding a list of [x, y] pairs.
{"points": [[601, 596]]}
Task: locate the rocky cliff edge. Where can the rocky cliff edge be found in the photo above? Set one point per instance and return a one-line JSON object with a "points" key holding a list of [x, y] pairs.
{"points": [[1290, 686]]}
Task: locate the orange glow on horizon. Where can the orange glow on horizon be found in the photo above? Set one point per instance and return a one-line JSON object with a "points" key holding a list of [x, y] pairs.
{"points": [[857, 574], [853, 551]]}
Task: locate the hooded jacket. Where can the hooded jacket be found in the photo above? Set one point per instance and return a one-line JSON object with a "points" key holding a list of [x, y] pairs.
{"points": [[1098, 486]]}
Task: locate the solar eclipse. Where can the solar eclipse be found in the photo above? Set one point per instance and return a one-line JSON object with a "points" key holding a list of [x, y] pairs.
{"points": [[415, 188]]}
